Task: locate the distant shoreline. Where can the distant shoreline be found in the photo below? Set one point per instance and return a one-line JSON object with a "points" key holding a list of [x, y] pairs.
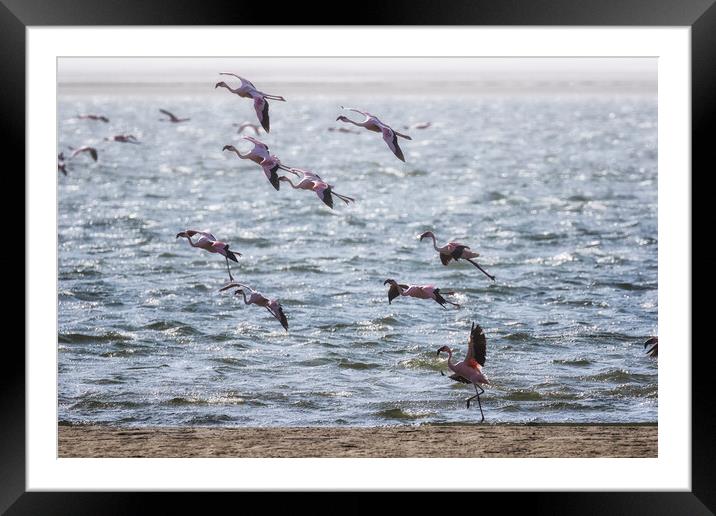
{"points": [[468, 88], [431, 440]]}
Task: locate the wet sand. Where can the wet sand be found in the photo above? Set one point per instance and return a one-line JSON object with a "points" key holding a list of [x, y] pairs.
{"points": [[639, 440]]}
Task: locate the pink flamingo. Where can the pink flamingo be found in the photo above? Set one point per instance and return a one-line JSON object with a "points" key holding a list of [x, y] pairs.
{"points": [[257, 154], [257, 298], [100, 118], [313, 182], [123, 138], [260, 154], [91, 150], [419, 291], [455, 251], [419, 125], [470, 369], [210, 243], [371, 122], [172, 118], [248, 90], [248, 125], [653, 351]]}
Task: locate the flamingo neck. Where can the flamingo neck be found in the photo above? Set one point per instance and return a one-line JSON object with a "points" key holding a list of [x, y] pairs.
{"points": [[353, 122], [190, 242], [288, 180], [435, 242]]}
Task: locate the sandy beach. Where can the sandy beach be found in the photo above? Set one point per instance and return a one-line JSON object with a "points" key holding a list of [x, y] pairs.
{"points": [[400, 441]]}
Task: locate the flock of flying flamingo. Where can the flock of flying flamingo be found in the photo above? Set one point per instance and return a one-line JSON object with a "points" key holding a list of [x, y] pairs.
{"points": [[469, 370]]}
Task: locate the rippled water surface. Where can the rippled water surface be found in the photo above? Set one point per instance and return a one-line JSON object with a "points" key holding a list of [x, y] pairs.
{"points": [[557, 193]]}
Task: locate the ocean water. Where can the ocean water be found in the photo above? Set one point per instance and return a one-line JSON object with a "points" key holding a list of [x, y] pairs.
{"points": [[557, 192]]}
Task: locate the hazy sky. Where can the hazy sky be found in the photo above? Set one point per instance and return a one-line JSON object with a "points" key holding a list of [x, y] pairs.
{"points": [[160, 69]]}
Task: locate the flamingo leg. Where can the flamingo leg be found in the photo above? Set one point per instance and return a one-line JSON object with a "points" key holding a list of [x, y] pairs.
{"points": [[477, 395], [483, 270], [231, 278]]}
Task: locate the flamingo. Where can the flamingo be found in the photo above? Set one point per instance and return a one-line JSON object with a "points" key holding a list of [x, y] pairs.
{"points": [[257, 154], [470, 369], [171, 118], [91, 150], [123, 138], [371, 122], [61, 165], [257, 298], [311, 181], [100, 118], [260, 154], [420, 291], [210, 243], [419, 125], [654, 350], [342, 130], [455, 251], [248, 125], [248, 90]]}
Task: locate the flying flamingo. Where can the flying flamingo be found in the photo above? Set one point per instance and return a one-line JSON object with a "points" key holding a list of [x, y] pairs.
{"points": [[313, 182], [91, 150], [470, 369], [248, 90], [248, 125], [257, 154], [455, 251], [419, 291], [372, 123], [123, 138], [100, 118], [654, 350], [260, 154], [209, 242], [257, 298], [171, 118], [419, 125], [61, 165]]}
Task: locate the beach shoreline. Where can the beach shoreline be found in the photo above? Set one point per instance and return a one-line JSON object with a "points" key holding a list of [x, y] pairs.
{"points": [[430, 440]]}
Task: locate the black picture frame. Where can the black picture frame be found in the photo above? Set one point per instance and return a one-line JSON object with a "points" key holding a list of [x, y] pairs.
{"points": [[700, 15]]}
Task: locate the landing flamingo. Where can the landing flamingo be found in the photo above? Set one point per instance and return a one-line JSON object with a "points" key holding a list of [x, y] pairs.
{"points": [[470, 369], [257, 298]]}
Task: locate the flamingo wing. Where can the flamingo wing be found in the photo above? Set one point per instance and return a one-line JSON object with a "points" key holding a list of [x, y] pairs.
{"points": [[262, 112], [445, 258], [457, 250], [234, 284], [356, 110], [477, 345], [391, 139], [394, 292], [459, 378], [244, 82], [170, 115], [192, 232], [278, 314]]}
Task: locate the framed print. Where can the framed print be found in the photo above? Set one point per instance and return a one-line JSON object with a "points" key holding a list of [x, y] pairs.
{"points": [[543, 157]]}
